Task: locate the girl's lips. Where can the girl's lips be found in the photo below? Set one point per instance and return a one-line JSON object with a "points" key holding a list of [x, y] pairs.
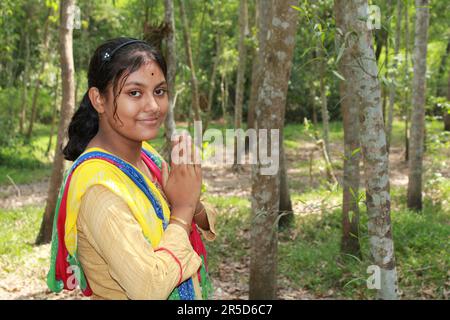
{"points": [[150, 121]]}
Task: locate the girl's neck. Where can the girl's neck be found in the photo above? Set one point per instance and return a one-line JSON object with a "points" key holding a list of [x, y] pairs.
{"points": [[124, 148]]}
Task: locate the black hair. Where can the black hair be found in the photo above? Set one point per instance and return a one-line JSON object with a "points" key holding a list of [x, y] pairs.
{"points": [[102, 74]]}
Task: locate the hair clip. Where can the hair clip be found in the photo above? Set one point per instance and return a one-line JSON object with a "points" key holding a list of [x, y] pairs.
{"points": [[106, 56]]}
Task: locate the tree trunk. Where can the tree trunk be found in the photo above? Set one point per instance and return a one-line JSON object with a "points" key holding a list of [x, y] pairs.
{"points": [[190, 62], [323, 98], [67, 107], [262, 11], [240, 81], [171, 56], [278, 53], [406, 104], [212, 81], [285, 209], [363, 77], [350, 118], [55, 111], [45, 56], [416, 135], [398, 30], [26, 76]]}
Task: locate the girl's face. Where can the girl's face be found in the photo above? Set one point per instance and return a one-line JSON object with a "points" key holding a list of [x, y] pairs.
{"points": [[141, 105]]}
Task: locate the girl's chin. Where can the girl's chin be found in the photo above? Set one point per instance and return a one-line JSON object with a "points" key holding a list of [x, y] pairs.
{"points": [[149, 134]]}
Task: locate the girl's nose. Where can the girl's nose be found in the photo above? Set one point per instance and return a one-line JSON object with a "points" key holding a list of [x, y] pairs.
{"points": [[151, 105]]}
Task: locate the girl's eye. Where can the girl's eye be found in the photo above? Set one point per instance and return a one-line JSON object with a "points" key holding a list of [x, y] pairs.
{"points": [[160, 92], [134, 94]]}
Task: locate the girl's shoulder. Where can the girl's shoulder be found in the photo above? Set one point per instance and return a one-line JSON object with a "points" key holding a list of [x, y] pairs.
{"points": [[156, 156]]}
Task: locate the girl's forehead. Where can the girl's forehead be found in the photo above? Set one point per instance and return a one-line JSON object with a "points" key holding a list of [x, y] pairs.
{"points": [[149, 68]]}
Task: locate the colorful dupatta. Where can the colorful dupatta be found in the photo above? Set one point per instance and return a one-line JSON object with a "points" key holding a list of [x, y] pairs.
{"points": [[152, 213]]}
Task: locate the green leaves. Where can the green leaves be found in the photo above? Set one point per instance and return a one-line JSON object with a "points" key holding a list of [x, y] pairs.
{"points": [[337, 74]]}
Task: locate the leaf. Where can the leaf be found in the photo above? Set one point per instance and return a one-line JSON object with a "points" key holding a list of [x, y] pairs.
{"points": [[340, 53], [338, 75], [355, 151], [350, 215]]}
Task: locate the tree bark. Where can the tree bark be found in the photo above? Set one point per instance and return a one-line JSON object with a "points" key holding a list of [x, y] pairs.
{"points": [[171, 56], [67, 108], [278, 53], [190, 62], [55, 111], [285, 209], [240, 80], [26, 76], [45, 50], [362, 76], [212, 81], [406, 109], [352, 157], [323, 99], [416, 142], [398, 30], [263, 13]]}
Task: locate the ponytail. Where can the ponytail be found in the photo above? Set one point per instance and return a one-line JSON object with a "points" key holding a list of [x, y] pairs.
{"points": [[82, 128]]}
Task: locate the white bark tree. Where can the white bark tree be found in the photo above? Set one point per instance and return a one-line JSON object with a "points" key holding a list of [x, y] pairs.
{"points": [[363, 76]]}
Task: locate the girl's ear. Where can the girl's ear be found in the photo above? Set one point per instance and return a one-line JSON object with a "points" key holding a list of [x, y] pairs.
{"points": [[97, 100]]}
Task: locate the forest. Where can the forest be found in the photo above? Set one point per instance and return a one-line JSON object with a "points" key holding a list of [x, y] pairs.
{"points": [[359, 91]]}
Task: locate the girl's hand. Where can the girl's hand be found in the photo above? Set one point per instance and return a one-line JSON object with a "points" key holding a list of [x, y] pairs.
{"points": [[182, 185]]}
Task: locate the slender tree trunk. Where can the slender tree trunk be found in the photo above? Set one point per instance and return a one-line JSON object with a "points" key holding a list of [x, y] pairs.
{"points": [[323, 98], [45, 56], [67, 108], [171, 56], [398, 30], [350, 118], [350, 197], [418, 104], [262, 11], [240, 81], [406, 108], [190, 62], [285, 209], [278, 54], [255, 69], [363, 77], [55, 111], [26, 77], [212, 81]]}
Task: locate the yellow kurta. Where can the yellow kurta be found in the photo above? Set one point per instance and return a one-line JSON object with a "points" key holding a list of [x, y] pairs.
{"points": [[118, 258]]}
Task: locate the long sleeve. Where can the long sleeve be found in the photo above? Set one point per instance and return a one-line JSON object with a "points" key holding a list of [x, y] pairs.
{"points": [[211, 213], [143, 273]]}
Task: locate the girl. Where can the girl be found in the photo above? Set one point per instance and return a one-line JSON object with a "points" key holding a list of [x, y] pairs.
{"points": [[126, 228]]}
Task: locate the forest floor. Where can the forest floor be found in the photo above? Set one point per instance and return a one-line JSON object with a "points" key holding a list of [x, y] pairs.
{"points": [[310, 265]]}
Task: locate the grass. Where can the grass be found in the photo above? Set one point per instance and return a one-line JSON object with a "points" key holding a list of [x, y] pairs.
{"points": [[18, 231]]}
